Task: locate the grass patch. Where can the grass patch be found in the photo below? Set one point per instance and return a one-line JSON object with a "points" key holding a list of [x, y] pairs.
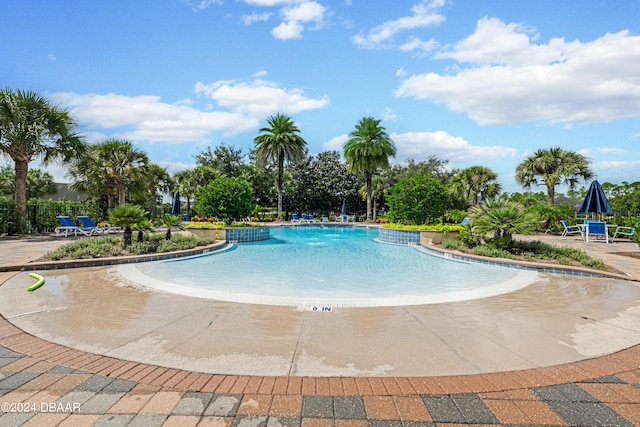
{"points": [[110, 246]]}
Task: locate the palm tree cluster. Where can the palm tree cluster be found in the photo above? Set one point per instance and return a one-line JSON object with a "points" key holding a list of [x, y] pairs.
{"points": [[116, 173]]}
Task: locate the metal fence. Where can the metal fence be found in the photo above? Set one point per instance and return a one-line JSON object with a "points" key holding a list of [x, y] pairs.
{"points": [[41, 214]]}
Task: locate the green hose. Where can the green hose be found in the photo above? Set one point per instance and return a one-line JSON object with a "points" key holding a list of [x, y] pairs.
{"points": [[39, 283]]}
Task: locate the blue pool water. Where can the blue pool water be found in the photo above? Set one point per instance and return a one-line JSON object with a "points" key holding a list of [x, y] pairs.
{"points": [[334, 265]]}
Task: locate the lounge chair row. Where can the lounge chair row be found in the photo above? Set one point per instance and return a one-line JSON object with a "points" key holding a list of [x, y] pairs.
{"points": [[597, 231], [309, 218], [88, 228]]}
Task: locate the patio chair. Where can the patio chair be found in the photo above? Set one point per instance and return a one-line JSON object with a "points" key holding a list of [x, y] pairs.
{"points": [[345, 218], [624, 231], [187, 218], [311, 219], [305, 218], [572, 229], [597, 231], [295, 218], [325, 219], [88, 224], [68, 226]]}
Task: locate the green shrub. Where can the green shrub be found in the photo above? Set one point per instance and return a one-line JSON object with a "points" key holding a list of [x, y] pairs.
{"points": [[421, 199], [491, 252], [453, 244], [226, 197], [107, 246]]}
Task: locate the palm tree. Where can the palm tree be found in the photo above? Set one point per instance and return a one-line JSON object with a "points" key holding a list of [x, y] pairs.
{"points": [[124, 163], [278, 143], [553, 166], [500, 218], [378, 188], [91, 175], [159, 180], [30, 127], [367, 150], [127, 216], [473, 182]]}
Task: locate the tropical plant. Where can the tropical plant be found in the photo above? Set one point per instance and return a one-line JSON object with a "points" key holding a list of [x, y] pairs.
{"points": [[31, 127], [39, 183], [224, 159], [278, 143], [159, 180], [551, 167], [225, 197], [498, 220], [123, 163], [171, 221], [417, 200], [143, 227], [126, 216], [474, 181], [368, 150], [378, 189]]}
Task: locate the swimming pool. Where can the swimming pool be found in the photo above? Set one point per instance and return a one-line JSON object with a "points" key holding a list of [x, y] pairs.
{"points": [[326, 266]]}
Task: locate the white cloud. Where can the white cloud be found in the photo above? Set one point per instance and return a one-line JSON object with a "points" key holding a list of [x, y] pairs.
{"points": [[304, 12], [267, 3], [198, 5], [256, 17], [616, 165], [423, 14], [259, 98], [296, 16], [609, 150], [388, 115], [148, 119], [335, 143], [416, 44], [511, 79], [420, 145], [287, 31]]}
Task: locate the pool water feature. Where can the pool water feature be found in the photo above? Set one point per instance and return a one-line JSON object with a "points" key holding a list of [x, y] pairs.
{"points": [[326, 266]]}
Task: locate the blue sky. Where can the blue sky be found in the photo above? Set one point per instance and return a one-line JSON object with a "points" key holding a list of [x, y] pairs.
{"points": [[482, 82]]}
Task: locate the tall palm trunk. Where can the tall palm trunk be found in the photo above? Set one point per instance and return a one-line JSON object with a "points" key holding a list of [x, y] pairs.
{"points": [[280, 179], [121, 193], [369, 193], [21, 169], [111, 197]]}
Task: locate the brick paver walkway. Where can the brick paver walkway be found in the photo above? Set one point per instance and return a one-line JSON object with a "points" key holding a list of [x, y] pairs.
{"points": [[48, 384]]}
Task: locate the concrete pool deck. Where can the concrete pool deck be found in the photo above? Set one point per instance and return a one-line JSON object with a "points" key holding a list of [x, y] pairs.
{"points": [[539, 355]]}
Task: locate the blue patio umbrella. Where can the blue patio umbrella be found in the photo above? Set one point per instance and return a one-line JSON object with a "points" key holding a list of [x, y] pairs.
{"points": [[175, 206], [344, 206], [595, 201]]}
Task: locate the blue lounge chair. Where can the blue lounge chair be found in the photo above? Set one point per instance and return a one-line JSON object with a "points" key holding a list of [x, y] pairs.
{"points": [[325, 219], [311, 219], [68, 227], [597, 230], [295, 218], [187, 218], [88, 224], [571, 229], [305, 218], [624, 231]]}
